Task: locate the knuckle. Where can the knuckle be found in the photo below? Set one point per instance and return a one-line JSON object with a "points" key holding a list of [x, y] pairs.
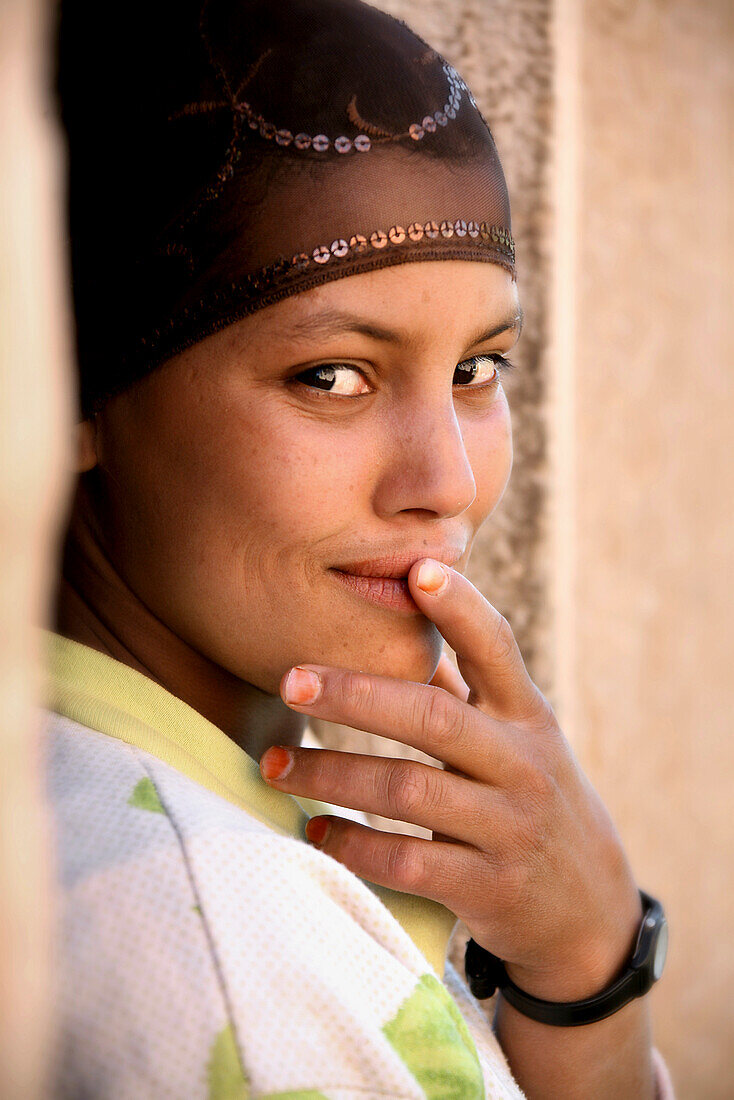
{"points": [[503, 642], [529, 809], [408, 788], [533, 812], [538, 782], [357, 692], [507, 879], [552, 763], [406, 865], [541, 765], [539, 715], [442, 716], [528, 828], [512, 883]]}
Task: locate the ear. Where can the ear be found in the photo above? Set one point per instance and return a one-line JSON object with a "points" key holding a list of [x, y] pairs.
{"points": [[86, 446]]}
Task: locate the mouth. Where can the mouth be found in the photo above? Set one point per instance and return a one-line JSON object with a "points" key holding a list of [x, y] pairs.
{"points": [[392, 592], [384, 581]]}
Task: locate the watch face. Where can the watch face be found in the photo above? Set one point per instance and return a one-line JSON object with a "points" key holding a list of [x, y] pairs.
{"points": [[661, 950]]}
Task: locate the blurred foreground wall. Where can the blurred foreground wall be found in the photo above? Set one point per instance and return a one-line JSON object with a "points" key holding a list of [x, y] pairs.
{"points": [[644, 485], [612, 552], [34, 412]]}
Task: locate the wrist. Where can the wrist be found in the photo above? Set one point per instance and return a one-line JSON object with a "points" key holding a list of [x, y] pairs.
{"points": [[562, 1003], [585, 970]]}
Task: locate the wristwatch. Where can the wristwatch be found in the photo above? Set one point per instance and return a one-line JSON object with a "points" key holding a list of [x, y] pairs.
{"points": [[486, 973]]}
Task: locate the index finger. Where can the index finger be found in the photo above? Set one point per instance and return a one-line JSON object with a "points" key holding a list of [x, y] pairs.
{"points": [[428, 718], [487, 653]]}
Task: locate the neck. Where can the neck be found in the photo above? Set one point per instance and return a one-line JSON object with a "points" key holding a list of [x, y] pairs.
{"points": [[96, 607]]}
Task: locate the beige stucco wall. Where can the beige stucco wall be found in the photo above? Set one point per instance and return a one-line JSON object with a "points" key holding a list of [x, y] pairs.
{"points": [[645, 633]]}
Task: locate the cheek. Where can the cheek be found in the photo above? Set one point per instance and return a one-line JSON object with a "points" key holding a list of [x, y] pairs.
{"points": [[488, 444], [232, 474], [292, 480], [268, 493]]}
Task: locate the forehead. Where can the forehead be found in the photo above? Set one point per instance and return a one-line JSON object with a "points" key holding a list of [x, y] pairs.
{"points": [[409, 303]]}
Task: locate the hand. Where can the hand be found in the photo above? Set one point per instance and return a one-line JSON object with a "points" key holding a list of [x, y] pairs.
{"points": [[522, 849]]}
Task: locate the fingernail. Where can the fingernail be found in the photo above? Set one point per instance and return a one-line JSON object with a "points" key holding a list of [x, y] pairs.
{"points": [[431, 576], [316, 830], [276, 762], [302, 686]]}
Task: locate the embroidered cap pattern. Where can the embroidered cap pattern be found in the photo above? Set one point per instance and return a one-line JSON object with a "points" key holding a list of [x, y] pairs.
{"points": [[362, 143]]}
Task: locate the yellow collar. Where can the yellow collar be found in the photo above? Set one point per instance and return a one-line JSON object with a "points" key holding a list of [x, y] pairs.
{"points": [[106, 695]]}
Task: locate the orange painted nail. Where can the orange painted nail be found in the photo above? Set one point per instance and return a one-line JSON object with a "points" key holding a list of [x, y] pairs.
{"points": [[302, 686], [431, 576], [276, 762], [316, 830]]}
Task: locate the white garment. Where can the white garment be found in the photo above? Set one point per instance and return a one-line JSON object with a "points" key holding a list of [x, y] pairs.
{"points": [[206, 955]]}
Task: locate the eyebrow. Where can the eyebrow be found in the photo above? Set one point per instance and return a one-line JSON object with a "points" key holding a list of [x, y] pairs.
{"points": [[334, 322]]}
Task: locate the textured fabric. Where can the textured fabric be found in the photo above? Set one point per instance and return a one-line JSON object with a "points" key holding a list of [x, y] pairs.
{"points": [[205, 954], [224, 154]]}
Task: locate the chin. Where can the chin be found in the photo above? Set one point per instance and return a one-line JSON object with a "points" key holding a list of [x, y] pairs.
{"points": [[411, 653], [407, 649], [416, 662]]}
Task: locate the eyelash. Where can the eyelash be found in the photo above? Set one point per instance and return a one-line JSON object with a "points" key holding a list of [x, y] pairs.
{"points": [[503, 364]]}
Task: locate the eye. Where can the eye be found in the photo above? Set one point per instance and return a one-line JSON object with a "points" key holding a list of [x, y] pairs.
{"points": [[338, 378], [481, 370]]}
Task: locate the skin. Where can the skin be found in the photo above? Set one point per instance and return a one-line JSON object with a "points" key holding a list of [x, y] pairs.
{"points": [[189, 530]]}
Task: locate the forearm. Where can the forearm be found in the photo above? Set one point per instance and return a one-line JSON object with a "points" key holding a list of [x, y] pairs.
{"points": [[606, 1060]]}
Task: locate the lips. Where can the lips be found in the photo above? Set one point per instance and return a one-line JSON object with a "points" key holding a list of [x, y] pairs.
{"points": [[383, 580], [398, 565]]}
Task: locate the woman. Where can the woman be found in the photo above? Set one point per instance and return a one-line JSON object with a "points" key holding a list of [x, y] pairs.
{"points": [[295, 290]]}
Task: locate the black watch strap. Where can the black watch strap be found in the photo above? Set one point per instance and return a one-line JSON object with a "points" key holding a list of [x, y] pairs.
{"points": [[486, 973]]}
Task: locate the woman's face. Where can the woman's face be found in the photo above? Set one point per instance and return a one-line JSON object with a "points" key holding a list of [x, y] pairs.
{"points": [[345, 431]]}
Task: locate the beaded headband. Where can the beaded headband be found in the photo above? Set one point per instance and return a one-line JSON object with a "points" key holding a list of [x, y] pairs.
{"points": [[248, 151]]}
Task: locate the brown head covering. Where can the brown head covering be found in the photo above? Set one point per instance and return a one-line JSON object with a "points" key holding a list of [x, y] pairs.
{"points": [[226, 154]]}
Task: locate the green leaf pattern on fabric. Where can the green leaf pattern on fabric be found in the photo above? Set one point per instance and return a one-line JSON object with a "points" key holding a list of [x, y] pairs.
{"points": [[225, 1075], [145, 797], [308, 1094], [432, 1039], [428, 1033]]}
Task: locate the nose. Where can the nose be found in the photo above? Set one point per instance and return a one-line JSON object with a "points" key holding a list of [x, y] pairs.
{"points": [[426, 467]]}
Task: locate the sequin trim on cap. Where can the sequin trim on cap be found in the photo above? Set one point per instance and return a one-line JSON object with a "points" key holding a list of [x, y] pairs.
{"points": [[495, 236], [363, 142]]}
